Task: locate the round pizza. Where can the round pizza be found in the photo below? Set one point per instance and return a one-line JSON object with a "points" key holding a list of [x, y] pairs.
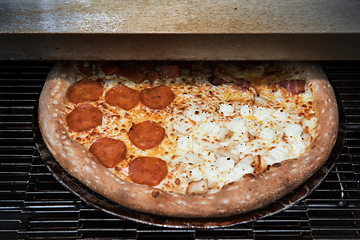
{"points": [[189, 139]]}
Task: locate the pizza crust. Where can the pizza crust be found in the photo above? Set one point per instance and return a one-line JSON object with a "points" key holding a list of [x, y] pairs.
{"points": [[249, 193]]}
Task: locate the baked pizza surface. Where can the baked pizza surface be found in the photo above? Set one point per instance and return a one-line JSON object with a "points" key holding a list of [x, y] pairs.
{"points": [[199, 139]]}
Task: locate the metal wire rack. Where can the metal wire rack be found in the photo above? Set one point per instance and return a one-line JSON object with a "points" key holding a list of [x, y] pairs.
{"points": [[33, 205]]}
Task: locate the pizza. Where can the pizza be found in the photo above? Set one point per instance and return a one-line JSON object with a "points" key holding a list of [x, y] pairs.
{"points": [[189, 139]]}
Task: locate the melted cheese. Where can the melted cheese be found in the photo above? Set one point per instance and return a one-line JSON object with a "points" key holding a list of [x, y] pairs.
{"points": [[209, 129]]}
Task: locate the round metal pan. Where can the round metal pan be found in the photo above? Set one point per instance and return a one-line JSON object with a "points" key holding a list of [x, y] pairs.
{"points": [[94, 199]]}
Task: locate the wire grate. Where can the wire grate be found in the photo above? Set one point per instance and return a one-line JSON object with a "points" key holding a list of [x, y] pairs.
{"points": [[33, 205]]}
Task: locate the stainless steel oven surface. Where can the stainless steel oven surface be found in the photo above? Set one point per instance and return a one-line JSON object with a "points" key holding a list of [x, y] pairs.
{"points": [[34, 205]]}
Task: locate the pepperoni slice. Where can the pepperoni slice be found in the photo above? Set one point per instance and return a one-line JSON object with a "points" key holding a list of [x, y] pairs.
{"points": [[84, 90], [108, 151], [157, 97], [84, 118], [123, 97], [293, 86], [152, 76], [216, 81], [85, 67], [144, 66], [109, 68], [170, 71], [148, 170], [146, 135], [131, 73]]}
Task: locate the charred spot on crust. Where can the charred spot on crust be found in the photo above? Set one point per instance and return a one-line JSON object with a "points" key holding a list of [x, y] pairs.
{"points": [[155, 193], [228, 185], [276, 165], [249, 176]]}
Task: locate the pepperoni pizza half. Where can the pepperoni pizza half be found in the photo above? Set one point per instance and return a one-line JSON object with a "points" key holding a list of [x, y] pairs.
{"points": [[189, 139]]}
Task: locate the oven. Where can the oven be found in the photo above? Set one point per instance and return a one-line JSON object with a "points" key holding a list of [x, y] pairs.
{"points": [[33, 36]]}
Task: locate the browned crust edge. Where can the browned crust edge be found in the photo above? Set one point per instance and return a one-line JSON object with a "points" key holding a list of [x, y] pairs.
{"points": [[249, 193]]}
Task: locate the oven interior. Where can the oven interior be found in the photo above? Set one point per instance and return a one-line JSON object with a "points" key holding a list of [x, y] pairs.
{"points": [[34, 205]]}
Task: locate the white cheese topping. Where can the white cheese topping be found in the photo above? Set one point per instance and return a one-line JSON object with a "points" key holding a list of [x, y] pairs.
{"points": [[278, 154], [128, 83], [261, 113], [246, 110], [238, 125], [280, 114], [225, 164], [210, 128], [196, 115], [182, 124], [195, 174], [191, 158], [240, 170], [267, 134], [293, 130], [299, 147], [242, 148], [226, 109], [207, 155], [185, 143]]}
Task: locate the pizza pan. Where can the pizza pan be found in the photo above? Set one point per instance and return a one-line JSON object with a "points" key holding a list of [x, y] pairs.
{"points": [[92, 198]]}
